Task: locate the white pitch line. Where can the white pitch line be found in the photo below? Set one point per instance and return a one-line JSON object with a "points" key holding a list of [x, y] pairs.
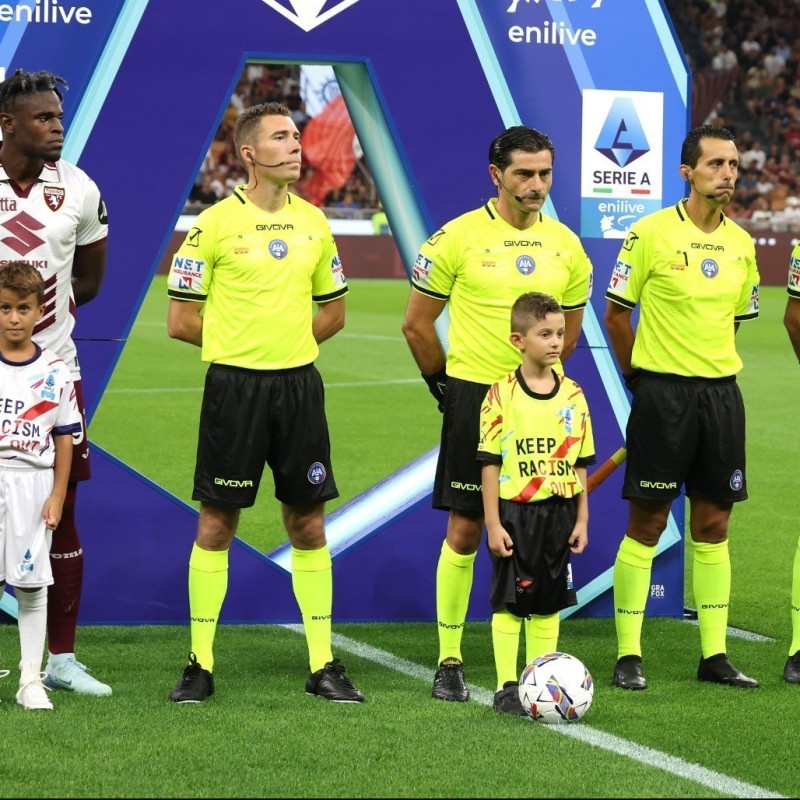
{"points": [[614, 744], [738, 633]]}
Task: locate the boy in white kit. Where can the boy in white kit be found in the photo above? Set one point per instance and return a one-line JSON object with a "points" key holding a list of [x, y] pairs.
{"points": [[38, 416]]}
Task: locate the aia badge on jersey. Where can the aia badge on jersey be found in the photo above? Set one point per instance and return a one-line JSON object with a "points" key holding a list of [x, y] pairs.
{"points": [[710, 268], [317, 473], [278, 248], [54, 197]]}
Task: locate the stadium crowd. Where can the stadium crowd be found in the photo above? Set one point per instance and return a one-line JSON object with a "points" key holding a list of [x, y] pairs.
{"points": [[755, 44], [749, 49], [221, 170]]}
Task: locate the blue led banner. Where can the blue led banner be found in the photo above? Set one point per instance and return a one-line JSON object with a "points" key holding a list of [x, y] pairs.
{"points": [[428, 86]]}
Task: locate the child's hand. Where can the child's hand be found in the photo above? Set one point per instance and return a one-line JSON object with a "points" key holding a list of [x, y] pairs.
{"points": [[52, 511], [579, 538], [500, 542]]}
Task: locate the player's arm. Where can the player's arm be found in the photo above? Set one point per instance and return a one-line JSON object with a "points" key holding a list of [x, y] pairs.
{"points": [[572, 330], [499, 541], [579, 538], [618, 323], [791, 321], [328, 320], [185, 322], [419, 328], [88, 268], [54, 504]]}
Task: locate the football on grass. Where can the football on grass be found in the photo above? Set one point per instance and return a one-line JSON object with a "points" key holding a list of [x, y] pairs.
{"points": [[556, 688]]}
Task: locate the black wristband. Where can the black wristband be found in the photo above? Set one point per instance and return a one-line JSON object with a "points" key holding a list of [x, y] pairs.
{"points": [[436, 385], [631, 378]]}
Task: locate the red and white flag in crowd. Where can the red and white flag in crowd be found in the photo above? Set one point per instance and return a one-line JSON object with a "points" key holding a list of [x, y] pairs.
{"points": [[328, 137]]}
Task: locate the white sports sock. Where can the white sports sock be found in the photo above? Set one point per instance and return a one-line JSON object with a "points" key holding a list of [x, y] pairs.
{"points": [[32, 611]]}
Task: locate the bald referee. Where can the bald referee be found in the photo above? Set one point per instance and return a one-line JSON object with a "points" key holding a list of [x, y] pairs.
{"points": [[693, 274], [256, 264], [478, 264]]}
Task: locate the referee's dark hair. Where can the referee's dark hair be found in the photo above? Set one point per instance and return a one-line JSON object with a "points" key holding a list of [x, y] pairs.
{"points": [[520, 137], [246, 125], [691, 150], [24, 84], [530, 307]]}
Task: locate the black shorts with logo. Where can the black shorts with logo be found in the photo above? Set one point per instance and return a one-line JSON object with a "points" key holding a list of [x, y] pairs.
{"points": [[252, 417], [457, 485], [686, 430], [537, 577]]}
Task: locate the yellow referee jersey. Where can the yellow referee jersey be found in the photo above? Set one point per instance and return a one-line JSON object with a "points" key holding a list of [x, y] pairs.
{"points": [[481, 265], [259, 275], [690, 287]]}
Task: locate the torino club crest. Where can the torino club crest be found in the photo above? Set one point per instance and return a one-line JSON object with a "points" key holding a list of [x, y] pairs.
{"points": [[54, 197]]}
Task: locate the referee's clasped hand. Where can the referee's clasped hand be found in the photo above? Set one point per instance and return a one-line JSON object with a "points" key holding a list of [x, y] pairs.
{"points": [[631, 379], [437, 384]]}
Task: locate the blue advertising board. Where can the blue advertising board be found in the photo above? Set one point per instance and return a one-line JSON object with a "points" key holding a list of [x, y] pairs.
{"points": [[428, 86]]}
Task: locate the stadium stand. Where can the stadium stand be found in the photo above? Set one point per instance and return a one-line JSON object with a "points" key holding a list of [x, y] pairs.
{"points": [[745, 61]]}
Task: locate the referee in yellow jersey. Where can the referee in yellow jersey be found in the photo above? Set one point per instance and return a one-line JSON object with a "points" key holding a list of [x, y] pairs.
{"points": [[692, 271], [243, 287], [791, 319], [478, 264]]}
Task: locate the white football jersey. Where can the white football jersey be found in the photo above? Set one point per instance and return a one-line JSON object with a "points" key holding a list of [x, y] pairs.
{"points": [[37, 398], [43, 225]]}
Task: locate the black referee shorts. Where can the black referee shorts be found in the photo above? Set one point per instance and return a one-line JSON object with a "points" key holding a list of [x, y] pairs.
{"points": [[457, 485], [252, 417], [686, 431]]}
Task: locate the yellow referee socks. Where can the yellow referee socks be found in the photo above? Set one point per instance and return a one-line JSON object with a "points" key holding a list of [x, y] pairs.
{"points": [[453, 585], [711, 582], [541, 635], [208, 585], [312, 581], [505, 642], [632, 570], [796, 602]]}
